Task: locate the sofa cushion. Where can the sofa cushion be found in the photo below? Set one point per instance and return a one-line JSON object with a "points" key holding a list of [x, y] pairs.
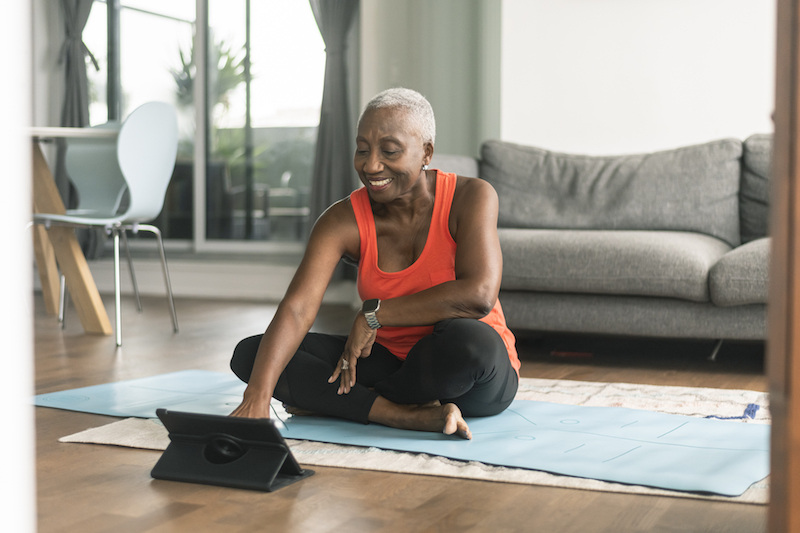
{"points": [[633, 263], [631, 315], [688, 189], [754, 189], [460, 164], [740, 276]]}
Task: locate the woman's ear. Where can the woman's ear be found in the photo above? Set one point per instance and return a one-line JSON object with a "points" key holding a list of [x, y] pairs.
{"points": [[428, 148]]}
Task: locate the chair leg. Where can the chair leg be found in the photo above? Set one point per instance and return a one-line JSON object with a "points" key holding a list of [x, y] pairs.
{"points": [[117, 297], [124, 234], [170, 298], [62, 302]]}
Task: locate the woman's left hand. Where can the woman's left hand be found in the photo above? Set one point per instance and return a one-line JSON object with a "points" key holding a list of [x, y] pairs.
{"points": [[359, 344]]}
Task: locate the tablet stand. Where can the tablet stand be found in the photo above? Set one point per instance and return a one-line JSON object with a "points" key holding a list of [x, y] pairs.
{"points": [[222, 456]]}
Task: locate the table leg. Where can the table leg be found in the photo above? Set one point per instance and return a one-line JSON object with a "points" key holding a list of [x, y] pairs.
{"points": [[48, 271], [67, 251]]}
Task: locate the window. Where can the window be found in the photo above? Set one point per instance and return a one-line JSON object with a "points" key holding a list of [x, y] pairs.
{"points": [[258, 124]]}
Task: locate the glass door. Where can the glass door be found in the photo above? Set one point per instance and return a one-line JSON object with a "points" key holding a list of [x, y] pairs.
{"points": [[266, 65], [248, 101]]}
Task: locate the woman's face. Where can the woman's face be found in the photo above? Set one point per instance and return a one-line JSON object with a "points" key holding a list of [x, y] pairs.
{"points": [[389, 154]]}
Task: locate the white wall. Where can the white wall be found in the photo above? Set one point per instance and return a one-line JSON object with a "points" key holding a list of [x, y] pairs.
{"points": [[17, 484], [621, 76]]}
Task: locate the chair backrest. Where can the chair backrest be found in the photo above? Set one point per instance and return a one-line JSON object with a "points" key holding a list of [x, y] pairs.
{"points": [[146, 147], [93, 168]]}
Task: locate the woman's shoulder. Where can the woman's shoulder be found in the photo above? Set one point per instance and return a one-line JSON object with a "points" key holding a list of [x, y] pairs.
{"points": [[474, 200], [338, 214], [470, 190], [337, 227]]}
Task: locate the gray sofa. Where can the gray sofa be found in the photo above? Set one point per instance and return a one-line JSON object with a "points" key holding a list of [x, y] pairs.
{"points": [[665, 244]]}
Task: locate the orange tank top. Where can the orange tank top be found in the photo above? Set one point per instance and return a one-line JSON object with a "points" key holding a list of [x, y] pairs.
{"points": [[435, 265]]}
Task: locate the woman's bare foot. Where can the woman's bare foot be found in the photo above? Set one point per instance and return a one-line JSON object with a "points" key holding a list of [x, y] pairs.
{"points": [[446, 418], [454, 423]]}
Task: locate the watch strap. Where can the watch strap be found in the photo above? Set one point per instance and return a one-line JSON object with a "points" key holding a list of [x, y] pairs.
{"points": [[369, 309]]}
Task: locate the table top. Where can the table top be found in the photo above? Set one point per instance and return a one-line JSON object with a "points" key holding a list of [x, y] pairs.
{"points": [[52, 132]]}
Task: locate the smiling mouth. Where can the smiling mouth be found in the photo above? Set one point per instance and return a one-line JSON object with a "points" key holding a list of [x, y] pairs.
{"points": [[380, 183]]}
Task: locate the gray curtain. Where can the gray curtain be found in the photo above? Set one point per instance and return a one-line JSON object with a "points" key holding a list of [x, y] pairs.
{"points": [[334, 177], [75, 111]]}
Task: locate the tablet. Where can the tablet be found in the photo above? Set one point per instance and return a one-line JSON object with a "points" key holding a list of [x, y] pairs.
{"points": [[247, 453]]}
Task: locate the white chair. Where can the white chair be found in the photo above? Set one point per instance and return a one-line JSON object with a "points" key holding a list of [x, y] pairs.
{"points": [[140, 161]]}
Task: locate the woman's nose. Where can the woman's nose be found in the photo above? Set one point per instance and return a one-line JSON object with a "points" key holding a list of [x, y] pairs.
{"points": [[373, 162]]}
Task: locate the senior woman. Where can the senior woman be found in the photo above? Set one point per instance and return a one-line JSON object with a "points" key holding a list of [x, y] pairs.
{"points": [[430, 345]]}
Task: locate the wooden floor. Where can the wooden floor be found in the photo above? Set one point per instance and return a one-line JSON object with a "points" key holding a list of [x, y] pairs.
{"points": [[88, 488]]}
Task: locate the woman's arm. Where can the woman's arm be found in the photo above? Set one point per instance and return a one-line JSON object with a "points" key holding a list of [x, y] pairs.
{"points": [[331, 238]]}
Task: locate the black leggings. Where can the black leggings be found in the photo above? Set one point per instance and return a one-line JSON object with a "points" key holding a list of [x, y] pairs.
{"points": [[464, 361]]}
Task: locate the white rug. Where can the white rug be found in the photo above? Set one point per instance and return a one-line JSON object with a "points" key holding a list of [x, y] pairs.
{"points": [[690, 401]]}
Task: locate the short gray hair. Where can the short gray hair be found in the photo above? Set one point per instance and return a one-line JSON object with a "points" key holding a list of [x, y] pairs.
{"points": [[420, 112]]}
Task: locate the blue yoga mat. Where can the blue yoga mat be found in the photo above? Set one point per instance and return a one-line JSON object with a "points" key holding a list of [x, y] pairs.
{"points": [[607, 443], [196, 391]]}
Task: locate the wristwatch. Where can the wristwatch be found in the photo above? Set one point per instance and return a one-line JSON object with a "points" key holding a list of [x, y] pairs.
{"points": [[369, 308]]}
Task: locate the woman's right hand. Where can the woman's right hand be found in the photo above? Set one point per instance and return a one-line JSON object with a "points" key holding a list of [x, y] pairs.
{"points": [[252, 408]]}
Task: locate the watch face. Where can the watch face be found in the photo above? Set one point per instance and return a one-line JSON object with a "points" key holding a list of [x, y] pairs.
{"points": [[370, 306]]}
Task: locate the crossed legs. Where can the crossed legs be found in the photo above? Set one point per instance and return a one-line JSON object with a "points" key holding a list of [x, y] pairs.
{"points": [[463, 365]]}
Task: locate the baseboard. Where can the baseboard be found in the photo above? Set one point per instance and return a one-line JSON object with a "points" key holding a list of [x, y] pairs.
{"points": [[214, 279]]}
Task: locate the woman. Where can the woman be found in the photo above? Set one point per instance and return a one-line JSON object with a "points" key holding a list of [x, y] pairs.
{"points": [[430, 344]]}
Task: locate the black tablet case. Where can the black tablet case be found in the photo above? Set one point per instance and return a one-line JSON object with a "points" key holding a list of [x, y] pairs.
{"points": [[244, 453]]}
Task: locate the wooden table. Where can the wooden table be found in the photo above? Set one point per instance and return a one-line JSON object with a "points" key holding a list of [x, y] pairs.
{"points": [[59, 244]]}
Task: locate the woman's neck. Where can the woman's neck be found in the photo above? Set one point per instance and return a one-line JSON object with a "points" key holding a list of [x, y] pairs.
{"points": [[418, 201]]}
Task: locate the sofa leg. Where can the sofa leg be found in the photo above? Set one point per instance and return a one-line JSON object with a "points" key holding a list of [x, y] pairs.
{"points": [[715, 351]]}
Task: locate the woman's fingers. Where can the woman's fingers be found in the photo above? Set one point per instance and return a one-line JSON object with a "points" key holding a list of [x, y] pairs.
{"points": [[348, 375], [345, 372], [336, 371], [344, 379]]}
